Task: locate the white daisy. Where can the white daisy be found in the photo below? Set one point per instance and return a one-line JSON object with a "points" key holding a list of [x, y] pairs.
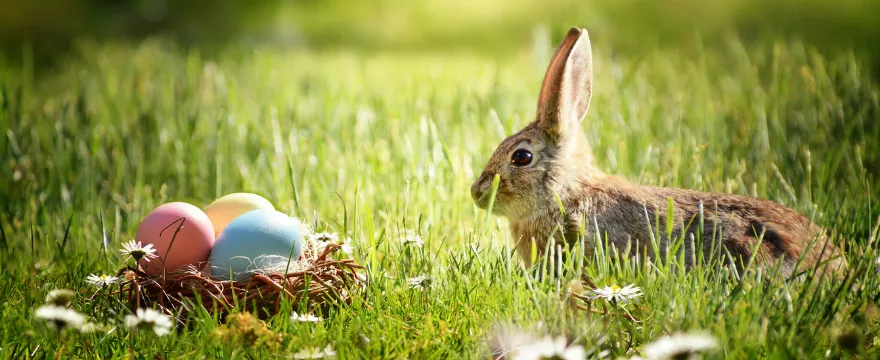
{"points": [[316, 353], [347, 247], [420, 282], [679, 346], [59, 317], [60, 297], [547, 348], [137, 251], [304, 317], [149, 319], [101, 280], [615, 294], [320, 245], [90, 328], [412, 239], [324, 237]]}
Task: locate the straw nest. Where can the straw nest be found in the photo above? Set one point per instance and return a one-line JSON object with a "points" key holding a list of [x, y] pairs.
{"points": [[317, 280]]}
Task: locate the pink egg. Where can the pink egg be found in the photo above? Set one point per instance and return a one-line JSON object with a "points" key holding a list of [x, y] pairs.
{"points": [[192, 245]]}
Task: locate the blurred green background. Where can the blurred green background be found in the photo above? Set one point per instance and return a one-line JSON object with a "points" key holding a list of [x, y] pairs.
{"points": [[375, 117], [49, 27]]}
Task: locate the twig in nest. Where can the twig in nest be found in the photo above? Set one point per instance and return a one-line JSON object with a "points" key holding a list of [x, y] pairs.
{"points": [[323, 281]]}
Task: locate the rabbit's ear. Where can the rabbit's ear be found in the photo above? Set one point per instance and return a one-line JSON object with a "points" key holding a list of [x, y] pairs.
{"points": [[567, 87]]}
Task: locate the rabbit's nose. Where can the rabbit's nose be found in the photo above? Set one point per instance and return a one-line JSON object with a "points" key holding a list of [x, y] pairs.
{"points": [[479, 188]]}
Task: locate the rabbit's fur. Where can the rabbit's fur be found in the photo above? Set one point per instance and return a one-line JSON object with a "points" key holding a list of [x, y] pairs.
{"points": [[562, 171]]}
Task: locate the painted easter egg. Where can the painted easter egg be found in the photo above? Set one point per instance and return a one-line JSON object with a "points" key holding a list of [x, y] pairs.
{"points": [[259, 240], [228, 207], [191, 244]]}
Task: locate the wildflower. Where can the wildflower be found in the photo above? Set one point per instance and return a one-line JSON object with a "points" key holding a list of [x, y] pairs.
{"points": [[574, 292], [101, 280], [421, 281], [149, 319], [304, 317], [324, 237], [575, 287], [347, 247], [322, 240], [412, 239], [316, 353], [135, 250], [43, 265], [547, 348], [679, 346], [60, 318], [90, 328], [615, 294], [506, 339], [130, 275], [60, 297]]}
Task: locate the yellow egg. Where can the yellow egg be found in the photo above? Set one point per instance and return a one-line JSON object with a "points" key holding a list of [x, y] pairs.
{"points": [[225, 209]]}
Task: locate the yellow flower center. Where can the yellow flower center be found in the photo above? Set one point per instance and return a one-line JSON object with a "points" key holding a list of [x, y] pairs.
{"points": [[615, 289], [103, 277]]}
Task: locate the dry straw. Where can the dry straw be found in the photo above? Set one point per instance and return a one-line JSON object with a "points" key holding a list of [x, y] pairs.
{"points": [[319, 280]]}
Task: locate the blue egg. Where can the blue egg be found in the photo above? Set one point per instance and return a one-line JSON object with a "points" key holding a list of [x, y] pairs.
{"points": [[258, 240]]}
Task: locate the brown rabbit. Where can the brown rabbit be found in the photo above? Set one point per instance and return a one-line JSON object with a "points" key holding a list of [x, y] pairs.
{"points": [[550, 162]]}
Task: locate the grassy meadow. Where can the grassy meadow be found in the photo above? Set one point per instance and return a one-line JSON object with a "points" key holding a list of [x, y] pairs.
{"points": [[380, 146]]}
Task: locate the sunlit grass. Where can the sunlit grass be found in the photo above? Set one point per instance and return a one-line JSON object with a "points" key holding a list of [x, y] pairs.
{"points": [[394, 142]]}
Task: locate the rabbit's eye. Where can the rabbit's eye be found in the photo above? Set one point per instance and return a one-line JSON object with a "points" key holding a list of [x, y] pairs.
{"points": [[521, 157]]}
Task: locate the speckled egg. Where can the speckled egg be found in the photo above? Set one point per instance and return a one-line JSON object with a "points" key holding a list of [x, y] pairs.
{"points": [[192, 244], [258, 240], [228, 207]]}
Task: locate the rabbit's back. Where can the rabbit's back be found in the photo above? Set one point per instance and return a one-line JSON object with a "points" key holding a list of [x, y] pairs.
{"points": [[627, 214]]}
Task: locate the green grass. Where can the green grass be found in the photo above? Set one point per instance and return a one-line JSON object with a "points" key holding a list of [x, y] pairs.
{"points": [[381, 143]]}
